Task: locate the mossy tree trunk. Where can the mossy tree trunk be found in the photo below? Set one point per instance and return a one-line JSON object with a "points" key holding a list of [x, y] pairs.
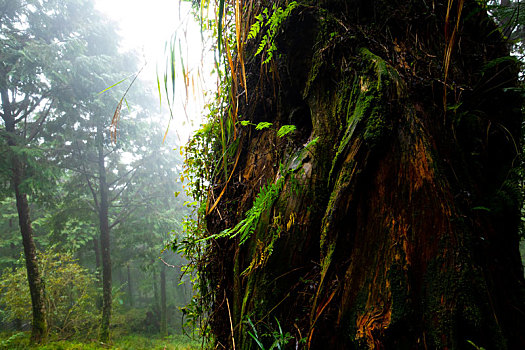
{"points": [[395, 224]]}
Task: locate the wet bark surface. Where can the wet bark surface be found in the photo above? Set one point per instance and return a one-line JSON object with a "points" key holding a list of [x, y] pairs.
{"points": [[396, 220]]}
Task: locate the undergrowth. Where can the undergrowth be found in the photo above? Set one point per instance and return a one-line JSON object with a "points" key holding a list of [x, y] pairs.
{"points": [[21, 340]]}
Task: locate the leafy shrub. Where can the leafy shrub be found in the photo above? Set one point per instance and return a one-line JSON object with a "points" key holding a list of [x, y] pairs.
{"points": [[128, 322], [20, 340], [69, 296]]}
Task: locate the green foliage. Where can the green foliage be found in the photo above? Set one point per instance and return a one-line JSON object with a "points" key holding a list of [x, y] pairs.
{"points": [[263, 125], [475, 346], [11, 238], [174, 342], [70, 295], [212, 152], [497, 61], [285, 130], [56, 57], [510, 16], [21, 341], [200, 153], [278, 338], [133, 321], [272, 24], [256, 27], [262, 204]]}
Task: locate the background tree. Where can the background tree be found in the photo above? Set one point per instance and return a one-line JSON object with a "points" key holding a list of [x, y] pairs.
{"points": [[39, 39], [158, 216], [80, 182], [389, 217], [70, 296]]}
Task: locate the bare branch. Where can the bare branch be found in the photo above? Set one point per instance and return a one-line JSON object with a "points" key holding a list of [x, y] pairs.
{"points": [[27, 111], [39, 123], [170, 265], [123, 188], [92, 192], [123, 215], [121, 177], [90, 185]]}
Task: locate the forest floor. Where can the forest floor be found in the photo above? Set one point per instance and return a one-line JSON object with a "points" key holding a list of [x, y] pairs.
{"points": [[130, 342]]}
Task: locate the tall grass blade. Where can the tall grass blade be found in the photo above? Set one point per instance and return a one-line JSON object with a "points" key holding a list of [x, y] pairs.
{"points": [[209, 210], [112, 86], [219, 26], [172, 68], [158, 87], [116, 115]]}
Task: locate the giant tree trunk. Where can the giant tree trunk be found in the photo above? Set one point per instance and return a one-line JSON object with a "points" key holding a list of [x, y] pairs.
{"points": [[104, 242], [391, 218], [36, 287]]}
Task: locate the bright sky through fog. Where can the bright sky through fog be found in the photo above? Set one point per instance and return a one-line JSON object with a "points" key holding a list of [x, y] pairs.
{"points": [[146, 27]]}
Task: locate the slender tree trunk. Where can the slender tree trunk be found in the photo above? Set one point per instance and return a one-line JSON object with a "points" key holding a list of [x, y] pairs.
{"points": [[163, 311], [389, 219], [130, 289], [15, 254], [36, 286], [104, 241], [96, 249], [156, 303]]}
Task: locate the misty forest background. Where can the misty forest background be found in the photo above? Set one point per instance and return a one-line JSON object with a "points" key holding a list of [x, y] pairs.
{"points": [[59, 63], [89, 176]]}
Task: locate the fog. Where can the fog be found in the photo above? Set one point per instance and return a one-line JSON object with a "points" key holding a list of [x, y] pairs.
{"points": [[97, 99]]}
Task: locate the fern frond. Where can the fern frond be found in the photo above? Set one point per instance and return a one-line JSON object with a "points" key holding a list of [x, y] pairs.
{"points": [[256, 27], [285, 130], [263, 125], [263, 43]]}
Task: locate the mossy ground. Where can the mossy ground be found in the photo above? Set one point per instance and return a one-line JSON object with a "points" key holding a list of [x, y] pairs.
{"points": [[21, 340]]}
